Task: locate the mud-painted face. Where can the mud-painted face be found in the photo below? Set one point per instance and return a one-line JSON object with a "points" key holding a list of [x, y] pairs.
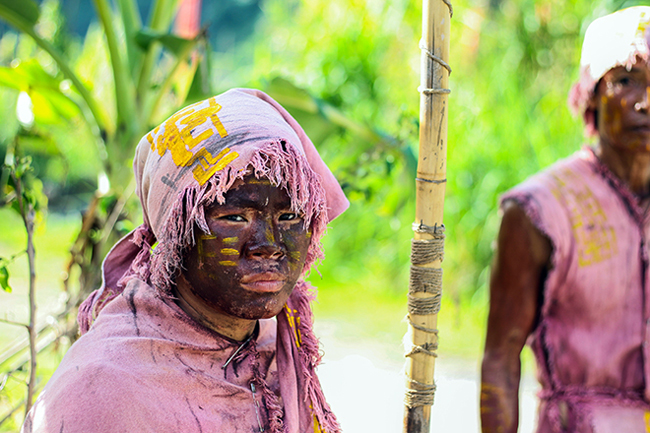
{"points": [[623, 114], [249, 264]]}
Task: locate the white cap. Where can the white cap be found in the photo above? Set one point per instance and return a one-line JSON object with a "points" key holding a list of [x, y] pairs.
{"points": [[614, 40]]}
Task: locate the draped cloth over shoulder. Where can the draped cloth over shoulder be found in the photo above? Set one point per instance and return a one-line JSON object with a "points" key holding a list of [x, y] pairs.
{"points": [[189, 162]]}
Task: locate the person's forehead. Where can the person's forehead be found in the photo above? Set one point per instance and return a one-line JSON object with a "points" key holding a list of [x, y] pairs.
{"points": [[256, 192], [640, 67]]}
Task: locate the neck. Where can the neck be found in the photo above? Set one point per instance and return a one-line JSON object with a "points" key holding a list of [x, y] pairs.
{"points": [[210, 316], [633, 168]]}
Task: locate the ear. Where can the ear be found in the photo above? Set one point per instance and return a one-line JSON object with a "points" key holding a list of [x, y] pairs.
{"points": [[592, 103]]}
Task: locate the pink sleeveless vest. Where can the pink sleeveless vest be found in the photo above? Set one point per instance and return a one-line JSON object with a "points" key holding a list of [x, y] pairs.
{"points": [[591, 342]]}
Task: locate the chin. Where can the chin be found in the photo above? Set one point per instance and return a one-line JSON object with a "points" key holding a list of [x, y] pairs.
{"points": [[259, 310]]}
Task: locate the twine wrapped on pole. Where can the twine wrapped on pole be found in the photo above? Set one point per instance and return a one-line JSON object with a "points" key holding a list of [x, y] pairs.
{"points": [[427, 247]]}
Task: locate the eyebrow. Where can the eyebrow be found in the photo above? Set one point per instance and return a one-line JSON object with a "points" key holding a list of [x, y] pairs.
{"points": [[248, 203]]}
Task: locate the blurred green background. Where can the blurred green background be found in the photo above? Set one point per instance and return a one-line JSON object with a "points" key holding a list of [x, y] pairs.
{"points": [[358, 63]]}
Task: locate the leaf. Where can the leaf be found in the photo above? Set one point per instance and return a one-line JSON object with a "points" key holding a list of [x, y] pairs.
{"points": [[175, 44], [201, 87], [25, 12], [13, 78], [4, 279], [50, 107], [50, 104], [38, 142], [28, 75]]}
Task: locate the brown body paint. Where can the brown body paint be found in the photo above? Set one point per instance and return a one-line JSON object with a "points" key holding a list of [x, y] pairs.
{"points": [[247, 267]]}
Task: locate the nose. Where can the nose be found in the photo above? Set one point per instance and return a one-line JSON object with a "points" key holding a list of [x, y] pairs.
{"points": [[265, 242], [642, 106]]}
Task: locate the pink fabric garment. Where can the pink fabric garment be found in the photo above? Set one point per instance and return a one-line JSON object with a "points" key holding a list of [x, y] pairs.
{"points": [[181, 167], [591, 342], [146, 366]]}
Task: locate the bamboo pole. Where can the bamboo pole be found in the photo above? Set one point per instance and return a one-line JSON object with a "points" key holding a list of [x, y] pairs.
{"points": [[427, 248]]}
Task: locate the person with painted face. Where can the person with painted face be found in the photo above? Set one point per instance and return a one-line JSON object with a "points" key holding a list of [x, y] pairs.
{"points": [[570, 274], [203, 322]]}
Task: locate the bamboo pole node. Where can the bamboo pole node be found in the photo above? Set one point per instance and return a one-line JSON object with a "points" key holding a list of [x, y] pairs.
{"points": [[419, 394], [421, 179], [432, 230]]}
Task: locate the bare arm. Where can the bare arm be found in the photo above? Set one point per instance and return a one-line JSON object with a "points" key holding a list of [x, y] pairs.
{"points": [[520, 263]]}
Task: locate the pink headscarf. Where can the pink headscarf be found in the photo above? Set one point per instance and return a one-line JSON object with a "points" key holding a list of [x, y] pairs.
{"points": [[189, 162], [617, 39]]}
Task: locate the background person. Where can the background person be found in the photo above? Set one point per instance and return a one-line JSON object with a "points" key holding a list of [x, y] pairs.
{"points": [[571, 268]]}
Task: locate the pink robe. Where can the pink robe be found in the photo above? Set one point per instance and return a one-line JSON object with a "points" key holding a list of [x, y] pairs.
{"points": [[145, 366], [591, 343]]}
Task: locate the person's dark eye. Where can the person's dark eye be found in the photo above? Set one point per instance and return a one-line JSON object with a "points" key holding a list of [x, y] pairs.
{"points": [[289, 216], [624, 81], [234, 218]]}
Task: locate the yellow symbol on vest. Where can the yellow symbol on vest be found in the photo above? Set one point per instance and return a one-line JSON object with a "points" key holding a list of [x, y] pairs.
{"points": [[184, 131], [594, 234]]}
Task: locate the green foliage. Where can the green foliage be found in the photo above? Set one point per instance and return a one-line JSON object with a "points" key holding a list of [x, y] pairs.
{"points": [[24, 12], [176, 45], [4, 275]]}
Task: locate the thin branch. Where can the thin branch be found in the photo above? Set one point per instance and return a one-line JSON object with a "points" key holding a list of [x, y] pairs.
{"points": [[13, 257], [11, 374], [27, 212], [117, 210], [11, 322]]}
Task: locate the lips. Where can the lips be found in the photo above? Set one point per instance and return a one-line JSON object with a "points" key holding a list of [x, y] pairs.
{"points": [[265, 282], [644, 127]]}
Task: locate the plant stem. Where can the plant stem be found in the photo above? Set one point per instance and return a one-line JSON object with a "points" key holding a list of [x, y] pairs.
{"points": [[151, 109], [160, 18], [27, 213], [124, 90], [29, 226]]}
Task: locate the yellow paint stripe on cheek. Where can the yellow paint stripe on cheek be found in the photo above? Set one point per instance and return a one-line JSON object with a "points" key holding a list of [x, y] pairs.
{"points": [[229, 252], [199, 244], [227, 263], [230, 241], [295, 255]]}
